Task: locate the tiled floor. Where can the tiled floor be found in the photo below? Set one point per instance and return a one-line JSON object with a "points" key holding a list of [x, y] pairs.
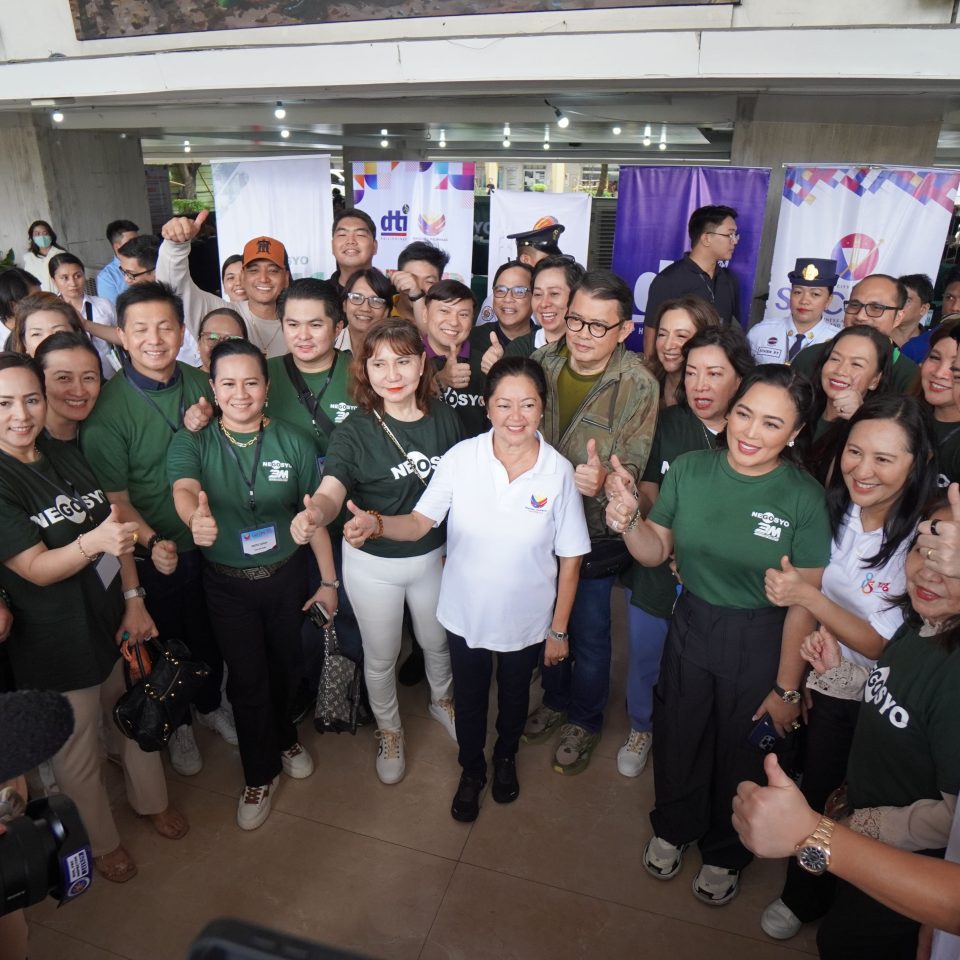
{"points": [[385, 871]]}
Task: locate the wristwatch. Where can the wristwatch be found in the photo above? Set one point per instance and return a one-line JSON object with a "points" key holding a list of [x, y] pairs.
{"points": [[788, 696], [559, 637], [133, 593], [813, 854], [330, 583]]}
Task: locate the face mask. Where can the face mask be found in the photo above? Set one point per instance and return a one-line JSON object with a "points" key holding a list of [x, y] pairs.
{"points": [[43, 242]]}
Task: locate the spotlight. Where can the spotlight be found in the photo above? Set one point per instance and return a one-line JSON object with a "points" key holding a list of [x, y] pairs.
{"points": [[617, 131], [186, 149], [384, 142], [383, 132], [56, 116], [443, 139], [562, 121], [279, 113], [663, 146], [186, 143], [546, 144], [506, 143], [285, 133], [646, 135], [663, 137]]}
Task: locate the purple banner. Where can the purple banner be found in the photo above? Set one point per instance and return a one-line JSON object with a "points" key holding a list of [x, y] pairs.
{"points": [[653, 207]]}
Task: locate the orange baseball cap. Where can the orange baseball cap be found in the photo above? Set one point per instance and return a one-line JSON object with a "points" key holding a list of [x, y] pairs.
{"points": [[265, 248]]}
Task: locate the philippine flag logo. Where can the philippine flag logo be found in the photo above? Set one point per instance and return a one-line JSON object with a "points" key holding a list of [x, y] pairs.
{"points": [[431, 224], [538, 503]]}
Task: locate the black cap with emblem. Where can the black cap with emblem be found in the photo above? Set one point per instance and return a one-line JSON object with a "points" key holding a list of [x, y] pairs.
{"points": [[811, 272], [540, 238]]}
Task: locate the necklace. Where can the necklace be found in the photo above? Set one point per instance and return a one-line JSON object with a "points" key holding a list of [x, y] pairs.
{"points": [[242, 444]]}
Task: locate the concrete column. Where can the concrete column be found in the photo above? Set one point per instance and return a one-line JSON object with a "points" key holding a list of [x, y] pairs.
{"points": [[78, 180], [775, 130]]}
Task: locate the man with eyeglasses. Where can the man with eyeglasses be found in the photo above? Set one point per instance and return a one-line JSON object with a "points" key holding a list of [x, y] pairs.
{"points": [[513, 309], [601, 402], [713, 239], [876, 301]]}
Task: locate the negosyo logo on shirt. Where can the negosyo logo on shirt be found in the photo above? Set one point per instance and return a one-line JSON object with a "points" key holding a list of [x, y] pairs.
{"points": [[876, 692], [420, 462], [279, 470], [770, 526], [73, 509]]}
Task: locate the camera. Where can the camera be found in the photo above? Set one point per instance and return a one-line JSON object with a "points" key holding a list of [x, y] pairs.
{"points": [[44, 852]]}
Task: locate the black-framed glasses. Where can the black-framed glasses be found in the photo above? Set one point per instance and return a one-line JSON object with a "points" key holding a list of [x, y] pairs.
{"points": [[518, 292], [596, 328], [873, 310], [131, 276], [215, 338], [735, 236], [358, 299]]}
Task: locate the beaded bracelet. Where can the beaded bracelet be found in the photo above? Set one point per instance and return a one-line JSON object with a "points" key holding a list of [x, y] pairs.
{"points": [[633, 521], [86, 556], [379, 517]]}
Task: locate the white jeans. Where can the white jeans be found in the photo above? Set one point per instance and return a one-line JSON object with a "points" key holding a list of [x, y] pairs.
{"points": [[377, 588]]}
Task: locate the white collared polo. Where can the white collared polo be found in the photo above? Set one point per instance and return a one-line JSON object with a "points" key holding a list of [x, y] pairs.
{"points": [[499, 583], [770, 340]]}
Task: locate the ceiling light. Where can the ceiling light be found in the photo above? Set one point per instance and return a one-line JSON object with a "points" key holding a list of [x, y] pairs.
{"points": [[383, 131], [546, 144], [562, 121], [186, 149], [663, 146], [285, 133], [663, 137], [617, 131], [279, 113], [186, 143], [384, 142], [506, 143], [646, 135], [546, 136], [443, 139], [56, 116]]}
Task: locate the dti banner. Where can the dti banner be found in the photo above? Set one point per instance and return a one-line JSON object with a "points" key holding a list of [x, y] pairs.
{"points": [[287, 198], [409, 200], [890, 220], [653, 207]]}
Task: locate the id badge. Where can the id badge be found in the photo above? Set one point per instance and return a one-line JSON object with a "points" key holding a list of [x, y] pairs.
{"points": [[261, 540], [108, 566], [321, 460]]}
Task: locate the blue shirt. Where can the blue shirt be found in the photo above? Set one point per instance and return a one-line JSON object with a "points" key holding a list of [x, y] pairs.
{"points": [[917, 348], [111, 282]]}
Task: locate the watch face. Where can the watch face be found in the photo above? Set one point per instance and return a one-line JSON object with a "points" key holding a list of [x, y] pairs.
{"points": [[812, 859]]}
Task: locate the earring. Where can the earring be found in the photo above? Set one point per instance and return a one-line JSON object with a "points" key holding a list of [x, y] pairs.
{"points": [[789, 443]]}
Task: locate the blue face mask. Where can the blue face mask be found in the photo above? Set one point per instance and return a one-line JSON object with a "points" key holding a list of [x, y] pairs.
{"points": [[43, 241]]}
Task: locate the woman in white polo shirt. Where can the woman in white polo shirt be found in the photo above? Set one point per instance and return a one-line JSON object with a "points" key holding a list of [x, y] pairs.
{"points": [[512, 512]]}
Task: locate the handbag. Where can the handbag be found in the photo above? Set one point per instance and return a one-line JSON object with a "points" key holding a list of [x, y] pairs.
{"points": [[157, 703], [608, 557], [338, 696]]}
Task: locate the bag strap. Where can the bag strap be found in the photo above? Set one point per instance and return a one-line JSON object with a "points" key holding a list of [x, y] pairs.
{"points": [[321, 420], [396, 443]]}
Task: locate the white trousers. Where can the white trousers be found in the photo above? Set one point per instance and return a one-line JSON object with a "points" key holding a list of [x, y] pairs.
{"points": [[378, 587]]}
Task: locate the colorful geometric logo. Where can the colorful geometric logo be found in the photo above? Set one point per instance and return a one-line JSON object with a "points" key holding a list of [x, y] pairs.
{"points": [[544, 222], [856, 255], [538, 503], [431, 224]]}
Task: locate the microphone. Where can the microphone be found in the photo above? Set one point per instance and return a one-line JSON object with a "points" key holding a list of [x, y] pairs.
{"points": [[34, 725]]}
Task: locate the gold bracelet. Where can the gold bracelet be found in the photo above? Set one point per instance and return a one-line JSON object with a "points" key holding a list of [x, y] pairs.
{"points": [[83, 552], [379, 517]]}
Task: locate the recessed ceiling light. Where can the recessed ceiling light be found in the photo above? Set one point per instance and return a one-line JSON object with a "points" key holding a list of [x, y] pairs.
{"points": [[285, 133], [617, 131], [56, 116], [279, 112]]}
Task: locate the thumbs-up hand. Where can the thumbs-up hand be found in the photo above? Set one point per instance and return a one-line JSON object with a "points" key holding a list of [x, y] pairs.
{"points": [[939, 540], [360, 527], [202, 524], [772, 820], [455, 373], [112, 536], [164, 556], [183, 229], [785, 587], [198, 415], [847, 402], [304, 525], [590, 477], [493, 353], [821, 650], [620, 480]]}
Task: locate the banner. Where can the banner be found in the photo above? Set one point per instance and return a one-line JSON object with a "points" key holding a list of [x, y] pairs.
{"points": [[409, 200], [653, 208], [514, 211], [287, 198], [890, 220]]}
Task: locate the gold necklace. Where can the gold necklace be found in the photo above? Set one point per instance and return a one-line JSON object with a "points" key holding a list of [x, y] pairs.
{"points": [[238, 443]]}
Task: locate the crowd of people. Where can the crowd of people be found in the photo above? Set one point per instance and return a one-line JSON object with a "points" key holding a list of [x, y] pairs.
{"points": [[771, 507]]}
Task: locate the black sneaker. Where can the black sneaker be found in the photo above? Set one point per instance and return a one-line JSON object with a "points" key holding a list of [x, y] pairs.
{"points": [[413, 670], [466, 801], [506, 786]]}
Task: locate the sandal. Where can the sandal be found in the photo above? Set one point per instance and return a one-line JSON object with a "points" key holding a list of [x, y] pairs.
{"points": [[170, 823], [116, 866]]}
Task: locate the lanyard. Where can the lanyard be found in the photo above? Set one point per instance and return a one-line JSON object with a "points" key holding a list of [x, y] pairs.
{"points": [[307, 398], [250, 481], [153, 403]]}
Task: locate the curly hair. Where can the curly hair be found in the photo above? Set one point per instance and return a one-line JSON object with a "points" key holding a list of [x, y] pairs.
{"points": [[34, 303]]}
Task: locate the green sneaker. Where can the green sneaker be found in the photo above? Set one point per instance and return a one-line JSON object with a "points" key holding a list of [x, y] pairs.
{"points": [[576, 746], [542, 724]]}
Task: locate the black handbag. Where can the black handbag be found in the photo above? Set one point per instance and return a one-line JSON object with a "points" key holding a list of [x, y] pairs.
{"points": [[155, 705], [338, 696], [608, 557]]}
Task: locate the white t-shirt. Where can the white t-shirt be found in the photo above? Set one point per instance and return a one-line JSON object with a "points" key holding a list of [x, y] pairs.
{"points": [[771, 340], [946, 946], [864, 591], [499, 583]]}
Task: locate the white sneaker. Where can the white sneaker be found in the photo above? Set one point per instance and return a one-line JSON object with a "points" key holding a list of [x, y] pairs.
{"points": [[254, 806], [632, 756], [184, 755], [297, 763], [662, 859], [221, 721], [779, 921], [391, 765], [442, 711], [716, 885]]}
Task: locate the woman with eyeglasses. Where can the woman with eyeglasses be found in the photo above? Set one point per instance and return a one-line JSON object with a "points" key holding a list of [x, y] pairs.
{"points": [[367, 296], [513, 308], [216, 327]]}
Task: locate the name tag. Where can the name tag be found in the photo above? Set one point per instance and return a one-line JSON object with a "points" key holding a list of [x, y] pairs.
{"points": [[108, 566], [261, 540], [320, 463]]}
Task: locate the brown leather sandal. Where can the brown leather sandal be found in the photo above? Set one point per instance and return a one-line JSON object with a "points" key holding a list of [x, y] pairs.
{"points": [[116, 866], [170, 823]]}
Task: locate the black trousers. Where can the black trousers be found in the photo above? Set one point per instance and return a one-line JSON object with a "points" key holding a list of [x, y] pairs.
{"points": [[859, 928], [258, 625], [179, 609], [718, 666], [830, 727], [472, 672]]}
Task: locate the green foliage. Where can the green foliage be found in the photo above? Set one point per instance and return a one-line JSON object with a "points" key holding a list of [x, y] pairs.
{"points": [[183, 207], [9, 259]]}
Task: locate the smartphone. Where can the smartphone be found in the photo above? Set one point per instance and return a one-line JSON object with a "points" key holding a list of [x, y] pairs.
{"points": [[764, 735], [318, 615]]}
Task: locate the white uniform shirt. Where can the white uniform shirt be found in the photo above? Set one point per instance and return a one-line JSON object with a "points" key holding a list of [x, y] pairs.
{"points": [[499, 583], [863, 591], [771, 340], [102, 311], [946, 946]]}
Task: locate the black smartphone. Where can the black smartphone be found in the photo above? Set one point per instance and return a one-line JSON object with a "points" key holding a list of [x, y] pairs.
{"points": [[318, 615], [764, 735]]}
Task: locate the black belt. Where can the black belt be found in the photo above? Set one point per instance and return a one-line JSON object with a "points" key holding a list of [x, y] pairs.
{"points": [[249, 573]]}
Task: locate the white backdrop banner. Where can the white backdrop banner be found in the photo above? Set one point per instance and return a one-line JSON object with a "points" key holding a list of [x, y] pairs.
{"points": [[890, 220], [409, 200], [287, 198], [514, 211]]}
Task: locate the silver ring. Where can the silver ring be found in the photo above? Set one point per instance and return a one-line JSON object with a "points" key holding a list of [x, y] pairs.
{"points": [[616, 525]]}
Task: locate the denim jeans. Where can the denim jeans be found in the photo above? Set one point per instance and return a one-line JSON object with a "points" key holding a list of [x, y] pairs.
{"points": [[580, 685], [646, 635]]}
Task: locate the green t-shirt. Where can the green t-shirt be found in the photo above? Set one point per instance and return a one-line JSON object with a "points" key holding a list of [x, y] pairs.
{"points": [[286, 471], [468, 402], [904, 369], [125, 440], [947, 436], [905, 745], [728, 528], [335, 401], [572, 390], [63, 634], [654, 589], [377, 475]]}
